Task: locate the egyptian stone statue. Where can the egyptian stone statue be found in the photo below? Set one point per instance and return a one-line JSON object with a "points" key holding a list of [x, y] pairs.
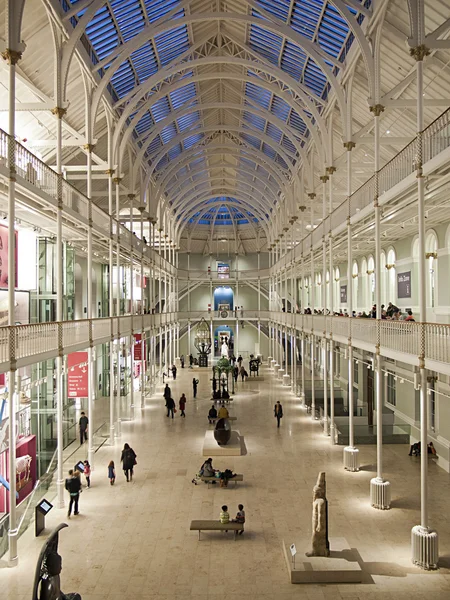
{"points": [[320, 542]]}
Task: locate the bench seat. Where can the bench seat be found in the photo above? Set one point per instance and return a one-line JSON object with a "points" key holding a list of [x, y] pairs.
{"points": [[238, 477], [217, 418], [205, 525]]}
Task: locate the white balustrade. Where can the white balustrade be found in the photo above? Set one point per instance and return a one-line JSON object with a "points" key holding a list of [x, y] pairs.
{"points": [[401, 336], [437, 342]]}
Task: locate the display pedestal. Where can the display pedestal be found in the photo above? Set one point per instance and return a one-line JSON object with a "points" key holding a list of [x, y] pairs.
{"points": [[380, 493], [286, 380], [235, 447], [202, 360], [425, 547], [280, 374], [351, 459], [340, 567]]}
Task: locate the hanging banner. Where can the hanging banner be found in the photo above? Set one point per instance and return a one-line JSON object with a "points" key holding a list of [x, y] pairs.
{"points": [[404, 285], [4, 243], [137, 348], [343, 293], [77, 376]]}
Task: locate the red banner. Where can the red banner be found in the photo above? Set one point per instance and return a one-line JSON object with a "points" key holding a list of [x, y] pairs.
{"points": [[137, 348], [77, 376], [4, 243]]}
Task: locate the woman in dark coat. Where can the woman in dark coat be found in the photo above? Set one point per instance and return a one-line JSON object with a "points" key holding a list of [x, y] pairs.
{"points": [[128, 460]]}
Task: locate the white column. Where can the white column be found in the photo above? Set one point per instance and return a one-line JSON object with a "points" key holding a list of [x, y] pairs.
{"points": [[90, 300], [313, 297], [118, 428], [111, 303], [324, 180], [331, 307], [12, 57], [59, 312], [131, 199], [143, 247]]}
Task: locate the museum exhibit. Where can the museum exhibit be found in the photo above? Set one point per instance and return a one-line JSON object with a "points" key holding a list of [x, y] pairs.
{"points": [[224, 255]]}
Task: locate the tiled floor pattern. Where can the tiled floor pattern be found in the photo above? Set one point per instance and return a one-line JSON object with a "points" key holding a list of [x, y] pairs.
{"points": [[132, 541]]}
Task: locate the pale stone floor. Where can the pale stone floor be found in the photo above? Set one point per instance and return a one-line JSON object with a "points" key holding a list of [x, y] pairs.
{"points": [[132, 541]]}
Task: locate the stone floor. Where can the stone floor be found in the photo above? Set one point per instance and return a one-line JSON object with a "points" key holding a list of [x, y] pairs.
{"points": [[132, 541]]}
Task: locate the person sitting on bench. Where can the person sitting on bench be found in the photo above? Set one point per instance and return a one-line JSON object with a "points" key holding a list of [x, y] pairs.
{"points": [[415, 449], [212, 413], [223, 412]]}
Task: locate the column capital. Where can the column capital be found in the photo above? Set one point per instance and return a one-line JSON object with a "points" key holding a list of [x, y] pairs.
{"points": [[89, 147], [12, 57], [324, 178], [331, 170], [131, 196], [419, 52], [312, 195], [349, 145], [109, 172], [376, 109], [141, 209], [59, 111], [117, 180], [302, 208]]}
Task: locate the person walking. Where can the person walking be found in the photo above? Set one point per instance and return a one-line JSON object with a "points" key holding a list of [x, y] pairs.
{"points": [[182, 405], [182, 361], [236, 373], [174, 372], [73, 486], [167, 392], [170, 405], [128, 460], [87, 473], [111, 472], [239, 360], [83, 424], [191, 361], [278, 412], [242, 372], [194, 386]]}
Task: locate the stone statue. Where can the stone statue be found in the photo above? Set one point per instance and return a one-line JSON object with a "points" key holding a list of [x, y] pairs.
{"points": [[47, 585], [224, 350], [320, 542]]}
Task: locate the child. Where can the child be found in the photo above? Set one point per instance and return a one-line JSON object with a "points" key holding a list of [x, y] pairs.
{"points": [[224, 515], [240, 517], [87, 473], [111, 472]]}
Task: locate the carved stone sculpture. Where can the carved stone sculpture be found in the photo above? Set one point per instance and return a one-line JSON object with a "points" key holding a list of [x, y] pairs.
{"points": [[320, 542], [48, 569], [222, 432]]}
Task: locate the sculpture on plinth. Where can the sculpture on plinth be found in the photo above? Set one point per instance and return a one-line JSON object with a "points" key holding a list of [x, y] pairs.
{"points": [[47, 585], [222, 432], [320, 542]]}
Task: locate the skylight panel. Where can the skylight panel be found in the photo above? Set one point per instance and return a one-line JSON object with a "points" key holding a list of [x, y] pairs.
{"points": [[171, 44], [314, 77], [252, 140], [187, 121], [288, 145], [273, 132], [144, 62], [255, 120], [280, 108], [160, 109], [155, 146], [269, 151], [258, 95], [293, 60], [297, 123], [192, 140], [145, 123], [182, 95], [158, 8], [168, 133], [266, 43], [123, 79], [305, 15], [277, 8]]}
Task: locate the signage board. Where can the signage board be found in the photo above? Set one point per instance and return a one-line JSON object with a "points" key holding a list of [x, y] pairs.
{"points": [[404, 285], [343, 293], [223, 271], [77, 376]]}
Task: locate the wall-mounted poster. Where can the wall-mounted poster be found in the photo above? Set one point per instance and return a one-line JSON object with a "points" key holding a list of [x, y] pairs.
{"points": [[404, 285], [77, 375], [223, 271], [4, 243], [343, 293]]}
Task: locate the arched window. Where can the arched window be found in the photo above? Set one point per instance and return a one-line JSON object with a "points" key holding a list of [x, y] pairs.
{"points": [[384, 277], [371, 281], [364, 278], [391, 295], [355, 285], [327, 296], [431, 246], [337, 288], [319, 292]]}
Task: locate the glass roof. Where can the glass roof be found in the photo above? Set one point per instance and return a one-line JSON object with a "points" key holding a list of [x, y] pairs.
{"points": [[271, 123]]}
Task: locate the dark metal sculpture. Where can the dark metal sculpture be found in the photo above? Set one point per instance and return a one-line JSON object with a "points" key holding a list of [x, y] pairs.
{"points": [[202, 342], [222, 432], [46, 584]]}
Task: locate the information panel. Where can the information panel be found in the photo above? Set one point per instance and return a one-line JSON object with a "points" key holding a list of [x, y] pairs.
{"points": [[404, 285]]}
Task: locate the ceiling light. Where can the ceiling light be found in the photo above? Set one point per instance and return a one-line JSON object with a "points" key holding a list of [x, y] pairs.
{"points": [[388, 131]]}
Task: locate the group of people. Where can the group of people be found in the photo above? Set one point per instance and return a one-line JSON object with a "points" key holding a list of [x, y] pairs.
{"points": [[221, 414], [389, 313], [170, 403], [73, 482]]}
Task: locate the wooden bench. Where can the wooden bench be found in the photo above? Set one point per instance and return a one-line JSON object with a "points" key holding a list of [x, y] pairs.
{"points": [[217, 418], [209, 480], [216, 526], [221, 400]]}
